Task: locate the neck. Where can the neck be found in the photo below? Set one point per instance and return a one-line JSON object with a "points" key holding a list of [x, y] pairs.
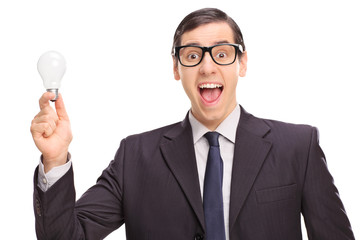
{"points": [[212, 123]]}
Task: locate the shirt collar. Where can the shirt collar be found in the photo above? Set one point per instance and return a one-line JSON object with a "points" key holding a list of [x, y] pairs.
{"points": [[227, 128]]}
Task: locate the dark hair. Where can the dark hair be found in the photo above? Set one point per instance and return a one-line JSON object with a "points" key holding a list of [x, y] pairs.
{"points": [[205, 16]]}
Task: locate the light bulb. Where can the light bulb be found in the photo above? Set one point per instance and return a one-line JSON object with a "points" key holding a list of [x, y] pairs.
{"points": [[52, 66]]}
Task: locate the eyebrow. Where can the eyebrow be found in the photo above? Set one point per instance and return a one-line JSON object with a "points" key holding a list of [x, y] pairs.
{"points": [[197, 43], [221, 42]]}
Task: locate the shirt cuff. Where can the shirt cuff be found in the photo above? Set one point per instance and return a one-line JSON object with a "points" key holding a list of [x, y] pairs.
{"points": [[46, 180]]}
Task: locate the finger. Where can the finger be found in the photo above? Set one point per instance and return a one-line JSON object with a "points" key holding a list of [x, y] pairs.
{"points": [[51, 119], [60, 108], [48, 130], [42, 129], [45, 98], [46, 114]]}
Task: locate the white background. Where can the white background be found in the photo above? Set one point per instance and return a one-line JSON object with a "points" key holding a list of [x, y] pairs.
{"points": [[303, 68]]}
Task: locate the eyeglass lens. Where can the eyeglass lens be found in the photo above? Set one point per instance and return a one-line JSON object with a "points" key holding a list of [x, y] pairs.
{"points": [[222, 54]]}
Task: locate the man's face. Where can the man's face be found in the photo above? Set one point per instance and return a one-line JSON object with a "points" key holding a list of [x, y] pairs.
{"points": [[210, 105]]}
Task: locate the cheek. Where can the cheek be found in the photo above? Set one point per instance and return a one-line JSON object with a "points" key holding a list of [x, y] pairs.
{"points": [[187, 83], [231, 75], [188, 77], [185, 73], [233, 83], [238, 69]]}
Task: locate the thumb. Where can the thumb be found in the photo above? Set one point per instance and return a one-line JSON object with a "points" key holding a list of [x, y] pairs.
{"points": [[60, 108]]}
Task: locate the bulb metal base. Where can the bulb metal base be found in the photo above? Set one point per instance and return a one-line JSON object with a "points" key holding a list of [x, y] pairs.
{"points": [[54, 90]]}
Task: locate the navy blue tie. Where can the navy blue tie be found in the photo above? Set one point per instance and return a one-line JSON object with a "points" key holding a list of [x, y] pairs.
{"points": [[213, 199]]}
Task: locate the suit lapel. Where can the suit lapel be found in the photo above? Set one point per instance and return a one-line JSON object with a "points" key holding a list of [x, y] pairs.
{"points": [[179, 154], [250, 152]]}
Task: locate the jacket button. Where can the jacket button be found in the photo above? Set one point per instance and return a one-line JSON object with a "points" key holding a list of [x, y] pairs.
{"points": [[199, 237], [37, 207]]}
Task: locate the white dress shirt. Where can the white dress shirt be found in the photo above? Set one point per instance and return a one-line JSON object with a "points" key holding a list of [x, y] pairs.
{"points": [[46, 180], [227, 130]]}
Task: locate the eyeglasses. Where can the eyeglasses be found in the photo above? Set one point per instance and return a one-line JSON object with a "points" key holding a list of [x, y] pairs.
{"points": [[222, 54]]}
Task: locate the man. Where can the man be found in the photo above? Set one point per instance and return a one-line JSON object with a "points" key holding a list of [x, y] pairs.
{"points": [[221, 173]]}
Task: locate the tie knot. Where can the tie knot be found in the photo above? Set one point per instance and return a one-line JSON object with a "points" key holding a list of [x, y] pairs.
{"points": [[213, 138]]}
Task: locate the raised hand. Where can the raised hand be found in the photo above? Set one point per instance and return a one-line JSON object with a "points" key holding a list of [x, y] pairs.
{"points": [[51, 131]]}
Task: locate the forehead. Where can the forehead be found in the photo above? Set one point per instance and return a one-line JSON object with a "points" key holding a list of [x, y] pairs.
{"points": [[209, 34]]}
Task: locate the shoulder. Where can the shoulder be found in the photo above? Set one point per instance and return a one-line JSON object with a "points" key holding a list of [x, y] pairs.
{"points": [[279, 131], [290, 142], [150, 138], [143, 144], [272, 127], [291, 135], [289, 128]]}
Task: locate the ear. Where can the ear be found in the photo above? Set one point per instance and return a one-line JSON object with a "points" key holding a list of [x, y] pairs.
{"points": [[243, 64], [176, 69]]}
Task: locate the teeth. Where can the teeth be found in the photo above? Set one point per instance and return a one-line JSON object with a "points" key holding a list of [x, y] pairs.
{"points": [[210, 85]]}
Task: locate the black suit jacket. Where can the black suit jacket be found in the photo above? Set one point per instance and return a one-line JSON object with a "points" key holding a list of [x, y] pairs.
{"points": [[152, 185]]}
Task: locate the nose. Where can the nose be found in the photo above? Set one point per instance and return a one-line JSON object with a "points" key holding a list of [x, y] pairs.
{"points": [[207, 65]]}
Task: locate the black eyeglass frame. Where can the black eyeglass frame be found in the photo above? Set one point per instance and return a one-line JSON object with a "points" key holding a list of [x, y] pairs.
{"points": [[238, 49]]}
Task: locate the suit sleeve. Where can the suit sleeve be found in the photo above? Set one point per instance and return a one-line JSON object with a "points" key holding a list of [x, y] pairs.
{"points": [[323, 211], [96, 214]]}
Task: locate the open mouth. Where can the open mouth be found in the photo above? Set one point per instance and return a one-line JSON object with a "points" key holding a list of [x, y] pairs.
{"points": [[210, 92]]}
